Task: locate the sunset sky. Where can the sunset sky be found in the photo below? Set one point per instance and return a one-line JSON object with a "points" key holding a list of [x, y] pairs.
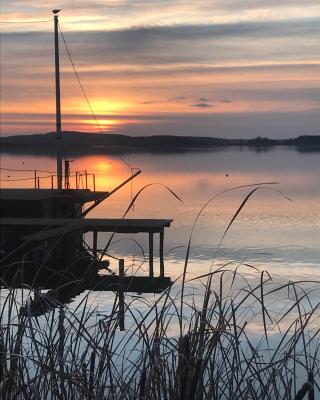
{"points": [[223, 68]]}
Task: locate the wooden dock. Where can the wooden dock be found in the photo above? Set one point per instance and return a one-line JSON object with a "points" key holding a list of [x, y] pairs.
{"points": [[50, 228]]}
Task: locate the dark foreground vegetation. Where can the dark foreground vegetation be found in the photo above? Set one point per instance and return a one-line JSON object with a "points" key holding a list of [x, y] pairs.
{"points": [[212, 353], [73, 140], [215, 336]]}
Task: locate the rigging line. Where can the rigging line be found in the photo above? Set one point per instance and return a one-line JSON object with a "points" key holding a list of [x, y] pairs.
{"points": [[23, 179], [27, 170], [88, 102], [79, 82], [84, 93], [55, 172], [25, 22]]}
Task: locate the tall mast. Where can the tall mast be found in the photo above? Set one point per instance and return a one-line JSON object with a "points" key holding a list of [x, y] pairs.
{"points": [[58, 104]]}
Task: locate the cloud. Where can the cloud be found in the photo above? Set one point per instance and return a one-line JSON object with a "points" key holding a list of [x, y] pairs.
{"points": [[142, 35], [152, 102], [261, 4], [202, 105], [178, 98], [175, 99], [177, 63], [182, 44]]}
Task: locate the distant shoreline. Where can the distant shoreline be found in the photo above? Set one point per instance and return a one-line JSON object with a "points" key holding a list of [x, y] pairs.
{"points": [[116, 143]]}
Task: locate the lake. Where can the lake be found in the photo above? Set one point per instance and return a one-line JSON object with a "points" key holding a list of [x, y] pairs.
{"points": [[271, 232], [277, 230]]}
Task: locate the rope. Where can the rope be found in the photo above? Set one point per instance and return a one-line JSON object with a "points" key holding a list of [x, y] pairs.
{"points": [[24, 179], [90, 107], [79, 82], [15, 180], [54, 173], [27, 170], [25, 22], [42, 177]]}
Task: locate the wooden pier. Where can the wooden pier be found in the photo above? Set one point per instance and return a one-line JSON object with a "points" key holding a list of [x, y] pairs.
{"points": [[42, 246], [50, 228]]}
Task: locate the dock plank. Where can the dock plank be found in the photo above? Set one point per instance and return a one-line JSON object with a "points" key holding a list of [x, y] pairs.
{"points": [[53, 227], [46, 194]]}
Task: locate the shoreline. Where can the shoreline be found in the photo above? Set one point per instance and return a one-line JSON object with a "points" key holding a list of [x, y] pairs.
{"points": [[49, 150]]}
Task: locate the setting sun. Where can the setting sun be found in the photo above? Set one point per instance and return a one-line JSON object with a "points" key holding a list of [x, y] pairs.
{"points": [[105, 124], [102, 107]]}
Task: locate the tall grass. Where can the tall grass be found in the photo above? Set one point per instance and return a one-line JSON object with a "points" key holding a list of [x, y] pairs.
{"points": [[232, 339], [73, 353]]}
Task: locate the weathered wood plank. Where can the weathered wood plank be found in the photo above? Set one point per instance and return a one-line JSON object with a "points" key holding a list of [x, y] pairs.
{"points": [[44, 194], [53, 227]]}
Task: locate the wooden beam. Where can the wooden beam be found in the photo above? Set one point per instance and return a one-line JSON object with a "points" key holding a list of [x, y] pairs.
{"points": [[161, 253], [121, 294], [53, 227], [97, 202], [95, 243], [151, 254]]}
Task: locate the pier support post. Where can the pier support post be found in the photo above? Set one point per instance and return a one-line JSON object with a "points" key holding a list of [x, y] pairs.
{"points": [[121, 294], [151, 254], [161, 253], [95, 243]]}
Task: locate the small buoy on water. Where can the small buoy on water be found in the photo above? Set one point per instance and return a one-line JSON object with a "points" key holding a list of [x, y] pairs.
{"points": [[227, 175]]}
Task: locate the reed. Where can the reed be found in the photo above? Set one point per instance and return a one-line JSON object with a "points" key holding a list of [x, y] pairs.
{"points": [[75, 353], [233, 339]]}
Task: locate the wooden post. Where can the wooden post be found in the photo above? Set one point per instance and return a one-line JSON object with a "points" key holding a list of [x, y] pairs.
{"points": [[86, 178], [52, 182], [121, 294], [95, 243], [58, 105], [81, 180], [161, 253], [38, 182], [76, 179], [35, 179], [151, 254], [94, 182]]}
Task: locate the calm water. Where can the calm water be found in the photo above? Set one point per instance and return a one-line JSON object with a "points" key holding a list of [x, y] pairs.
{"points": [[271, 232]]}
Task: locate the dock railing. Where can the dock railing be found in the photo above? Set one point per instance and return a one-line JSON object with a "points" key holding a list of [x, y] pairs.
{"points": [[40, 179]]}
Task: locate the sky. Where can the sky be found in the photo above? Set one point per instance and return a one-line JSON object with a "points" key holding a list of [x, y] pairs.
{"points": [[221, 68]]}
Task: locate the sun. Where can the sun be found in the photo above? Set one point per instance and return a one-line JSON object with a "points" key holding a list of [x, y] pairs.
{"points": [[105, 112], [104, 124], [103, 107]]}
